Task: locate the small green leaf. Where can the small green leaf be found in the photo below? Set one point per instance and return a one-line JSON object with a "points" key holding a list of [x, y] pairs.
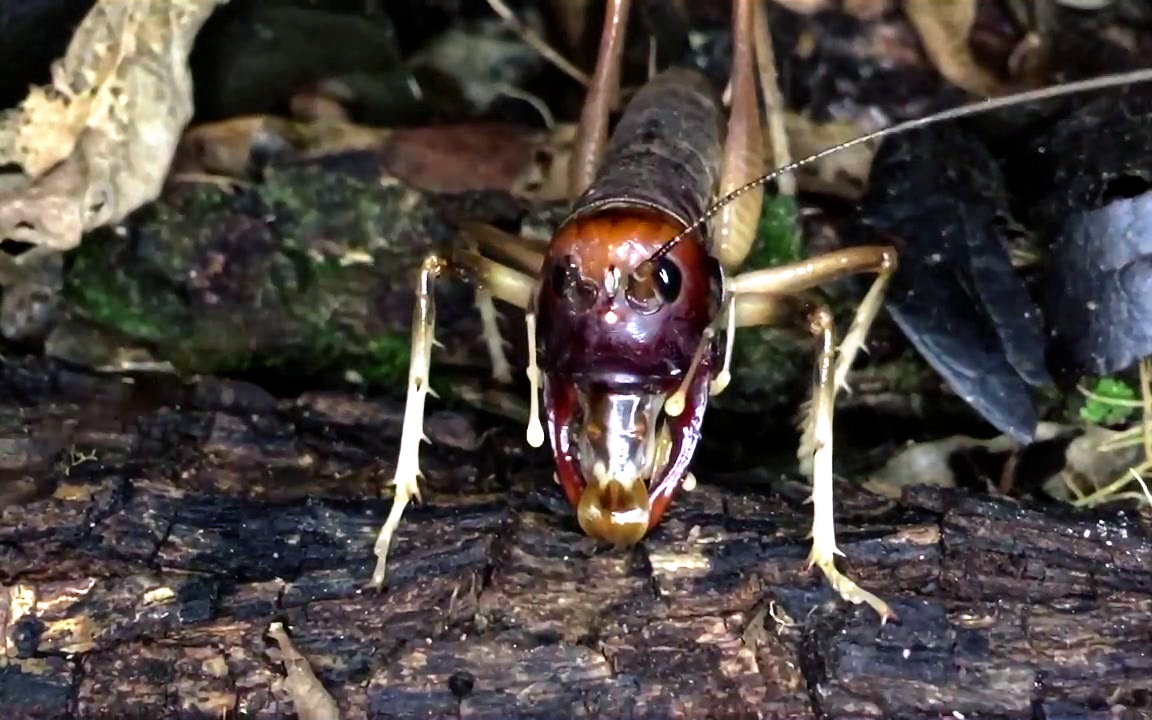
{"points": [[1103, 409]]}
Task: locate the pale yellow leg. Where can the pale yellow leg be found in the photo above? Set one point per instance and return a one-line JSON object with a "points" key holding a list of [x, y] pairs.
{"points": [[824, 549], [535, 435], [412, 432], [494, 281], [816, 452], [490, 327]]}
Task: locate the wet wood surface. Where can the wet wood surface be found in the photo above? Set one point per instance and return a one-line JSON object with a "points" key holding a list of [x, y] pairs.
{"points": [[151, 532]]}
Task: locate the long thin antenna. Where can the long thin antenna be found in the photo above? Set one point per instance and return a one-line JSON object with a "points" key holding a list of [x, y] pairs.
{"points": [[1128, 78]]}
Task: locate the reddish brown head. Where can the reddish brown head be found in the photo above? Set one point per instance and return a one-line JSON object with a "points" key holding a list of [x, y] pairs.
{"points": [[618, 335]]}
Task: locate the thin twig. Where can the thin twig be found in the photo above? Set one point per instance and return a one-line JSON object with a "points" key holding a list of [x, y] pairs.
{"points": [[1143, 485], [1111, 491], [1118, 402], [537, 43], [1122, 440]]}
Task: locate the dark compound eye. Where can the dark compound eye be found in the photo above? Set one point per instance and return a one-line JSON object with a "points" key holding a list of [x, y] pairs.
{"points": [[668, 279], [651, 287]]}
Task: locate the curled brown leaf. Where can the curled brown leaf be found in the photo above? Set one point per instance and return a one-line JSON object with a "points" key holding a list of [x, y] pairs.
{"points": [[944, 29], [95, 144]]}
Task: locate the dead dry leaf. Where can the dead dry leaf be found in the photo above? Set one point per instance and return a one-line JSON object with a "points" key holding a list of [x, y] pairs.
{"points": [[805, 7], [227, 148], [867, 10], [930, 463], [526, 162], [1089, 468], [843, 173], [310, 699], [944, 28], [95, 144], [927, 464]]}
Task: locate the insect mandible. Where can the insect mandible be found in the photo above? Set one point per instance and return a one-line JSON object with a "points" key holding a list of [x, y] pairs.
{"points": [[625, 305]]}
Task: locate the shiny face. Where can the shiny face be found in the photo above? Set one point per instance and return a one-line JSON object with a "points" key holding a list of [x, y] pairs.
{"points": [[618, 336]]}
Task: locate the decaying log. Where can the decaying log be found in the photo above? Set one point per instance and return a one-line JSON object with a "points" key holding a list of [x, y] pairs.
{"points": [[151, 533]]}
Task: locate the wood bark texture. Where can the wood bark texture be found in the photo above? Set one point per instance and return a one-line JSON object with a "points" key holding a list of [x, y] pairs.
{"points": [[152, 532]]}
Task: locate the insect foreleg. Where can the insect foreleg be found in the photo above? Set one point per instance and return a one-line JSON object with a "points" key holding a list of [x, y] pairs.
{"points": [[493, 340], [824, 550], [761, 297], [769, 309], [408, 461], [523, 254], [520, 254], [493, 280]]}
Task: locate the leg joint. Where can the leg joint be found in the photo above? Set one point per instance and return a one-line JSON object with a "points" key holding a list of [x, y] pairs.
{"points": [[820, 319], [889, 259], [433, 264]]}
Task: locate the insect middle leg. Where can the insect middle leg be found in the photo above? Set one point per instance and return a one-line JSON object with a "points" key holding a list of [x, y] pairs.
{"points": [[762, 297], [496, 281], [518, 253]]}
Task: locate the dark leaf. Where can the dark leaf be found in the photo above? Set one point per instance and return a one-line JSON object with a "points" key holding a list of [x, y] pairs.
{"points": [[1100, 291], [1091, 179], [939, 196]]}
